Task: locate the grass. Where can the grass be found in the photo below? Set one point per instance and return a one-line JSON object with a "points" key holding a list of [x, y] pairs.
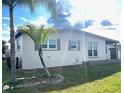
{"points": [[78, 79]]}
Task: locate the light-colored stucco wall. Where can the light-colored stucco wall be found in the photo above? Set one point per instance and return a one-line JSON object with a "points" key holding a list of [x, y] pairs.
{"points": [[60, 57], [19, 52], [64, 56], [101, 55]]}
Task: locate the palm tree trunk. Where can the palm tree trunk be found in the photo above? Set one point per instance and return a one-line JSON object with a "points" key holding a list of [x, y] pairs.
{"points": [[42, 62], [12, 44]]}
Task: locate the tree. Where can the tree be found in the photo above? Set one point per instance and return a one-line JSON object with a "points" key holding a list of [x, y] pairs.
{"points": [[4, 47], [39, 36], [49, 4]]}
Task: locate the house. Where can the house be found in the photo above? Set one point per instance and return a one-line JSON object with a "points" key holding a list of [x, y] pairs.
{"points": [[65, 47]]}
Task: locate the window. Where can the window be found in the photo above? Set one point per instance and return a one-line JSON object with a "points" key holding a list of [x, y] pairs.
{"points": [[18, 44], [92, 49], [44, 45], [74, 44], [95, 48], [50, 45]]}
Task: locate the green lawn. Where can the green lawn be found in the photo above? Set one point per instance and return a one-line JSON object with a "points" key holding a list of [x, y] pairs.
{"points": [[78, 79]]}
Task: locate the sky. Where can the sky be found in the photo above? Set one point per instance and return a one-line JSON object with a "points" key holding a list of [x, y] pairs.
{"points": [[104, 13]]}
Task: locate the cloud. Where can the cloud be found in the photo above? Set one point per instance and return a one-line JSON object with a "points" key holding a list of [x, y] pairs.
{"points": [[111, 27], [5, 18], [5, 35], [5, 24], [6, 39], [5, 32], [6, 28], [106, 23], [112, 32], [96, 10], [24, 19], [40, 21]]}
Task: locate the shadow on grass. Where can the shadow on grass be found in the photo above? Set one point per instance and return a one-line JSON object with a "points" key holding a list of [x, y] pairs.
{"points": [[77, 75], [74, 76]]}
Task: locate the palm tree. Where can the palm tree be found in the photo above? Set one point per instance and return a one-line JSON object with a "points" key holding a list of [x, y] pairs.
{"points": [[39, 36], [49, 4]]}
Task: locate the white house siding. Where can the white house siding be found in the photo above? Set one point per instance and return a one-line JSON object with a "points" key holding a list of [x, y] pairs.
{"points": [[55, 58], [100, 48], [30, 56], [64, 56]]}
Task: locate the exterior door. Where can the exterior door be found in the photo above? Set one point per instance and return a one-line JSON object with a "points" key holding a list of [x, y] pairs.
{"points": [[112, 53]]}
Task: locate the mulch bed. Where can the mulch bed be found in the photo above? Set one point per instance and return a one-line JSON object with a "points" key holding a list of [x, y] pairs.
{"points": [[41, 80], [36, 80]]}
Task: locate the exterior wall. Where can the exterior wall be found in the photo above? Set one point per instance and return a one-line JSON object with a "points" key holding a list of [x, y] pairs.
{"points": [[108, 50], [30, 56], [19, 52], [100, 48], [61, 57]]}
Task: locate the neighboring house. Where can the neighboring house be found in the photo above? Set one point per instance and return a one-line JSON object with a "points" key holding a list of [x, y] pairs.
{"points": [[65, 47]]}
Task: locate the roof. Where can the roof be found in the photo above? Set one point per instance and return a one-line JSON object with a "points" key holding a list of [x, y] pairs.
{"points": [[108, 40], [18, 34], [63, 24]]}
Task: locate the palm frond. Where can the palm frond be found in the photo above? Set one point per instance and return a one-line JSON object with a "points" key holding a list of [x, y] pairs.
{"points": [[51, 6], [27, 31], [46, 32], [38, 35], [5, 2], [29, 3]]}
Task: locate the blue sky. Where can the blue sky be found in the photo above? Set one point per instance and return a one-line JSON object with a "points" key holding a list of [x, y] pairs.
{"points": [[99, 11], [21, 14]]}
